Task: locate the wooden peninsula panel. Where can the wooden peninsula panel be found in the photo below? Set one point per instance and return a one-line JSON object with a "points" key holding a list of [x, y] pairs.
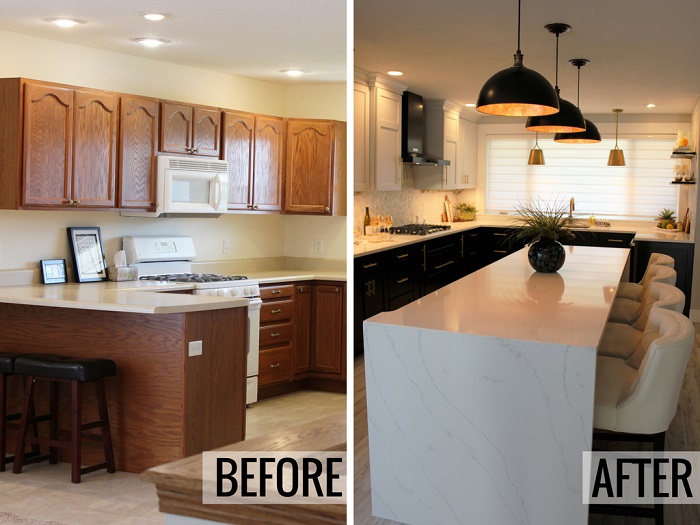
{"points": [[162, 405]]}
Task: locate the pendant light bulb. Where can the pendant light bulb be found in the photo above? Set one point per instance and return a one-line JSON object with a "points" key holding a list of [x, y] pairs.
{"points": [[536, 154], [569, 119], [616, 157], [517, 91], [591, 135]]}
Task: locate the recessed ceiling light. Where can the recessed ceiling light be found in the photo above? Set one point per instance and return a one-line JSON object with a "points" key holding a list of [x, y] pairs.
{"points": [[151, 42], [155, 17], [395, 73], [293, 72], [65, 22], [651, 105], [470, 105]]}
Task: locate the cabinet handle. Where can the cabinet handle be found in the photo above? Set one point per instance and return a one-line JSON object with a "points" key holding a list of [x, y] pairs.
{"points": [[249, 206], [276, 311], [615, 240], [400, 281], [300, 289], [425, 262], [276, 292], [255, 206], [461, 250], [473, 235], [70, 202], [500, 234], [370, 288], [275, 334], [444, 176], [370, 265], [327, 209], [76, 203], [402, 256], [399, 166], [337, 290], [443, 265], [500, 251], [274, 365]]}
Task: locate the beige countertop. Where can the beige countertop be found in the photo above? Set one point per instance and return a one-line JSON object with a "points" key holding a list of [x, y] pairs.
{"points": [[643, 230], [143, 296]]}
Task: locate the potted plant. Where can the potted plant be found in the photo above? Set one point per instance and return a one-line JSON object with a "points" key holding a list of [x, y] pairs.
{"points": [[466, 211], [667, 217], [541, 225]]}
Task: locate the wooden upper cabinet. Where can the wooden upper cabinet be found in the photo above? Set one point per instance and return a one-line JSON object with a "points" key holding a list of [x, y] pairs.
{"points": [[138, 144], [268, 166], [94, 148], [237, 149], [47, 152], [315, 167], [69, 149], [188, 129]]}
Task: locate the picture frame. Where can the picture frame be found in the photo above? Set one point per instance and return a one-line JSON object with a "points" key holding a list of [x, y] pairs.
{"points": [[53, 271], [88, 254]]}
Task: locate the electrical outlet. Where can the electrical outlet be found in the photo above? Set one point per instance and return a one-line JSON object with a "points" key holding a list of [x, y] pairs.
{"points": [[194, 348], [318, 247], [227, 245]]}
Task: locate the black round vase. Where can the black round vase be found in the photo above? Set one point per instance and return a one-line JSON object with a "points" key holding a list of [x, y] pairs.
{"points": [[546, 256]]}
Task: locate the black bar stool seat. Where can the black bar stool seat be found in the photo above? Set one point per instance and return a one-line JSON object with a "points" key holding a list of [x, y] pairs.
{"points": [[75, 371]]}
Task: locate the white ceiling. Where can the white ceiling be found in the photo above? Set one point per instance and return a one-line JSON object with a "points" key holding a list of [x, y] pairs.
{"points": [[640, 51], [251, 38]]}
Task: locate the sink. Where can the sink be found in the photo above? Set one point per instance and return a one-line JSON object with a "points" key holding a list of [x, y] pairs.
{"points": [[578, 224]]}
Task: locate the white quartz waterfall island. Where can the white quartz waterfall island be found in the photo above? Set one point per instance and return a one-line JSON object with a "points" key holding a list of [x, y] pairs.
{"points": [[480, 395]]}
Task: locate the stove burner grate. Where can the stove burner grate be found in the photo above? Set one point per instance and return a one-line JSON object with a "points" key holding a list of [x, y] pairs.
{"points": [[419, 229], [193, 277]]}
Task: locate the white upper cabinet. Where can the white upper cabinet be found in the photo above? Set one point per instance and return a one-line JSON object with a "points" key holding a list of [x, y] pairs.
{"points": [[467, 151], [378, 165]]}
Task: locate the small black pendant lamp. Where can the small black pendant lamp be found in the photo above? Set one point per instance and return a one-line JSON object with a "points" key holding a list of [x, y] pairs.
{"points": [[517, 91], [591, 135], [569, 119], [616, 157]]}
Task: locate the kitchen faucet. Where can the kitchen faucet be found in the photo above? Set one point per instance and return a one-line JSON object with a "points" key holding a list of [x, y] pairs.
{"points": [[572, 207]]}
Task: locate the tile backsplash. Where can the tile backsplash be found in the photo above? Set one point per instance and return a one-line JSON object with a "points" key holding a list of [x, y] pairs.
{"points": [[409, 204]]}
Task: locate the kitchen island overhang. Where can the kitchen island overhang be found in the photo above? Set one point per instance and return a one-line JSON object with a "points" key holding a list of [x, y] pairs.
{"points": [[480, 395]]}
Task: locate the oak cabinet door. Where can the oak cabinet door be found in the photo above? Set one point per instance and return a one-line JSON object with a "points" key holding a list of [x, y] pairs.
{"points": [[206, 132], [94, 148], [328, 332], [176, 128], [138, 144], [309, 166], [237, 149], [47, 151], [268, 164]]}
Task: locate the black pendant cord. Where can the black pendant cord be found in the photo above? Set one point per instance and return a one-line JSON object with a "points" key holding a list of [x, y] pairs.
{"points": [[518, 51], [556, 68], [578, 90]]}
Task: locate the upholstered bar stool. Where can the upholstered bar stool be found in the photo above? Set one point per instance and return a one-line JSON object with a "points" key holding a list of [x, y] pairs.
{"points": [[621, 340], [638, 403], [74, 371], [628, 310], [634, 290]]}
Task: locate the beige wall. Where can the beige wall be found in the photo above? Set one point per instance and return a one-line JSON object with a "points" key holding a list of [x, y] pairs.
{"points": [[28, 236]]}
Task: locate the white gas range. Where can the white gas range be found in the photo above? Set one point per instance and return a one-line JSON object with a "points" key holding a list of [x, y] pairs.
{"points": [[169, 259]]}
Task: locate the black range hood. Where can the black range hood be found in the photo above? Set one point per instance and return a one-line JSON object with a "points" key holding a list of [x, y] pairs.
{"points": [[412, 132]]}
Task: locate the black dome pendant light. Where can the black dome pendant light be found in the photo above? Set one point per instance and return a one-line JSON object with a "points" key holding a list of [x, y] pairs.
{"points": [[517, 91], [569, 119], [591, 135]]}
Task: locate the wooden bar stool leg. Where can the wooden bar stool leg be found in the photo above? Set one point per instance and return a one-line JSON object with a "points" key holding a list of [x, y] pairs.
{"points": [[76, 431], [3, 420], [21, 437], [53, 424], [105, 430]]}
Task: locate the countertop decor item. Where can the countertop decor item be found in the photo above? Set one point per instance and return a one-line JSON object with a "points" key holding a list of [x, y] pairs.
{"points": [[666, 218], [88, 254], [467, 212], [53, 271], [541, 224], [517, 91]]}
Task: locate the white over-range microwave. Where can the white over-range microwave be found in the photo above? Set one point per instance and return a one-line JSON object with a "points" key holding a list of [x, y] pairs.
{"points": [[189, 186]]}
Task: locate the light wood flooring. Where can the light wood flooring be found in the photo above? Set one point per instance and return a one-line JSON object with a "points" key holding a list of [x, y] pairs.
{"points": [[44, 492], [683, 434]]}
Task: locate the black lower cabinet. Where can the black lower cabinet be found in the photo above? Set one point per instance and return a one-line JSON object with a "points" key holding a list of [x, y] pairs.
{"points": [[497, 243], [682, 253], [369, 294], [441, 258]]}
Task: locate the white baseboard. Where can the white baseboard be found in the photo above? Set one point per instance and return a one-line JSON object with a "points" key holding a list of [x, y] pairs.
{"points": [[694, 316]]}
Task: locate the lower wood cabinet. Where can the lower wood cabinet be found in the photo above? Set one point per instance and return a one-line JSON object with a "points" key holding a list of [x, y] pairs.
{"points": [[302, 337]]}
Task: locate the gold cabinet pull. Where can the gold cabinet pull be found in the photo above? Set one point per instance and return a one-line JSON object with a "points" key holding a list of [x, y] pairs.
{"points": [[276, 311], [275, 334], [443, 265], [274, 365], [276, 292], [370, 265], [402, 256], [400, 281]]}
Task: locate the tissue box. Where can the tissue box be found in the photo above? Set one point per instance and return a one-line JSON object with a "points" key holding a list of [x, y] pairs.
{"points": [[123, 273]]}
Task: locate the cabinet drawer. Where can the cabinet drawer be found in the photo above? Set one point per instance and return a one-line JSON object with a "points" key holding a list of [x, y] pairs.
{"points": [[276, 365], [276, 335], [276, 311], [277, 292], [614, 240], [368, 264], [401, 281]]}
